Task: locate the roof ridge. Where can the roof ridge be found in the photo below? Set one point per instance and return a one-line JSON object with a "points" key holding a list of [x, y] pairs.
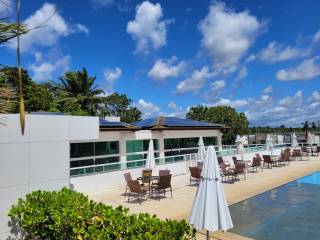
{"points": [[160, 122]]}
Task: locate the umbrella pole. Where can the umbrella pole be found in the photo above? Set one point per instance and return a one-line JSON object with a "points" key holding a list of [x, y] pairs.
{"points": [[207, 235]]}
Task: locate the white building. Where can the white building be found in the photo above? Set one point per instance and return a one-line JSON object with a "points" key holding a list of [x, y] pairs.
{"points": [[96, 165], [95, 153], [40, 158]]}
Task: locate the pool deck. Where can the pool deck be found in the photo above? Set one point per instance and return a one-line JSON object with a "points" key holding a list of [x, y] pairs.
{"points": [[179, 206]]}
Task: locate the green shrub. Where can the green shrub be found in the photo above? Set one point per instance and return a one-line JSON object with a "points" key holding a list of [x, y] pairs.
{"points": [[67, 214]]}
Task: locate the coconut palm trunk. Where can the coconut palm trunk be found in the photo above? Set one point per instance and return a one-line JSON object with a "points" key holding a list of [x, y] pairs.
{"points": [[21, 100]]}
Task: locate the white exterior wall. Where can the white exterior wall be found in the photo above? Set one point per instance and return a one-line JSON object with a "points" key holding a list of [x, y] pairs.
{"points": [[40, 158], [102, 181]]}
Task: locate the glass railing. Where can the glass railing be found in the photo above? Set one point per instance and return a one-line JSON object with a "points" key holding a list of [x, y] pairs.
{"points": [[226, 150]]}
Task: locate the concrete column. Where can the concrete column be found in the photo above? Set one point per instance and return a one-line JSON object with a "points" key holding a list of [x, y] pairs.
{"points": [[161, 146], [219, 137], [123, 148]]}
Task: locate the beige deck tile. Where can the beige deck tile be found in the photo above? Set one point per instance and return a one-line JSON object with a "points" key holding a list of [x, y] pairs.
{"points": [[179, 206]]}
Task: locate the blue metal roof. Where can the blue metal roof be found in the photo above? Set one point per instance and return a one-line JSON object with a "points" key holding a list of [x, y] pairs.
{"points": [[163, 122]]}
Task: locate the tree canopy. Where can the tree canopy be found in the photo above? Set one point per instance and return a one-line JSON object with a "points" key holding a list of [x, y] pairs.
{"points": [[237, 123], [76, 94], [120, 105]]}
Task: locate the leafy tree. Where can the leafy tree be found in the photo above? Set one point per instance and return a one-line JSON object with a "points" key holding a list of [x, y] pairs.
{"points": [[120, 105], [77, 91], [37, 97], [199, 113], [237, 122]]}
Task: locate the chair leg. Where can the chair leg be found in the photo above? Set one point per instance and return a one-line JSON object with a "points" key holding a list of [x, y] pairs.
{"points": [[129, 195], [171, 191]]}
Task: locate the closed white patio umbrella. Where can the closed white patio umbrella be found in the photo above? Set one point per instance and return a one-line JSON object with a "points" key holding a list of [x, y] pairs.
{"points": [[150, 162], [210, 211], [310, 140], [269, 143], [201, 150], [294, 142], [240, 147]]}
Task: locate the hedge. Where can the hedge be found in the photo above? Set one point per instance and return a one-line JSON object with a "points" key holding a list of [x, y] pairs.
{"points": [[67, 214]]}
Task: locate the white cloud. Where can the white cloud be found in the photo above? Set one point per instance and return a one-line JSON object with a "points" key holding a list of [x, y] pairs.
{"points": [[292, 102], [81, 28], [308, 69], [218, 85], [315, 96], [172, 105], [265, 97], [267, 111], [232, 103], [241, 75], [148, 28], [316, 38], [267, 90], [49, 26], [5, 8], [148, 109], [44, 71], [276, 52], [165, 68], [97, 4], [227, 35], [195, 82], [111, 76]]}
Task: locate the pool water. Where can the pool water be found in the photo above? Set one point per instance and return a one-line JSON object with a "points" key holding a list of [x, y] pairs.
{"points": [[291, 212]]}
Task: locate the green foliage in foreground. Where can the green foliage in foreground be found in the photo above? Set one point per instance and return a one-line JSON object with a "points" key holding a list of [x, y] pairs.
{"points": [[67, 214]]}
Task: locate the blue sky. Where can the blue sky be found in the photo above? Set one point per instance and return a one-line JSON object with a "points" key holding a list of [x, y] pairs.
{"points": [[261, 57]]}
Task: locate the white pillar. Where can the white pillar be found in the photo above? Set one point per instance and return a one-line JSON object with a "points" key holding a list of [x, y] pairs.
{"points": [[161, 146], [123, 148], [219, 137]]}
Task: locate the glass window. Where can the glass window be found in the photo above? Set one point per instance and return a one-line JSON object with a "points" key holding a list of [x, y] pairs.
{"points": [[107, 160], [174, 143], [81, 163], [134, 146], [210, 141], [171, 143], [81, 149], [106, 148], [146, 144]]}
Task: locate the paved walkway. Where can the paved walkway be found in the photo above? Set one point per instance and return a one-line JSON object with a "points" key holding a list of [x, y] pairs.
{"points": [[179, 206]]}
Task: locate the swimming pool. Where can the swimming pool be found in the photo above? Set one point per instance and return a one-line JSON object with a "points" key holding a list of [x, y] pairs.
{"points": [[291, 212]]}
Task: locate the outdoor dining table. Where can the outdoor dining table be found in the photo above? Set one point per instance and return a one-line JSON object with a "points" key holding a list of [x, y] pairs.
{"points": [[148, 180]]}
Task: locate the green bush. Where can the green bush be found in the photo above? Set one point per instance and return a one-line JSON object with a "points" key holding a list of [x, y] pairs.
{"points": [[67, 214]]}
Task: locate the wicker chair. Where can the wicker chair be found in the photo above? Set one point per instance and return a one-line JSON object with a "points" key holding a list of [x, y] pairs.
{"points": [[256, 163], [240, 169], [220, 160], [161, 185], [135, 187], [195, 174], [146, 175], [304, 151], [127, 177], [296, 154], [164, 172], [228, 175], [268, 161]]}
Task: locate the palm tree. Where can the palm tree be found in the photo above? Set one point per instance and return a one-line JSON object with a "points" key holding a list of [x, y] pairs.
{"points": [[6, 96], [78, 88], [9, 31]]}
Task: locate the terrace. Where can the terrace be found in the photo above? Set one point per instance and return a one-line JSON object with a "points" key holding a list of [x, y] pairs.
{"points": [[179, 206]]}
